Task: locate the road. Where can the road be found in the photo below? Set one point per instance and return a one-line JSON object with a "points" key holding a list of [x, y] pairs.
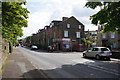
{"points": [[71, 65]]}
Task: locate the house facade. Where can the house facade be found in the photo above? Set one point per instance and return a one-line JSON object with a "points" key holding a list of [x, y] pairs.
{"points": [[64, 35], [92, 36], [111, 39]]}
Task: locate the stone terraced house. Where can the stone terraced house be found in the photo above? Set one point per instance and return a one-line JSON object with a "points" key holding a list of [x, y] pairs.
{"points": [[111, 39], [64, 35]]}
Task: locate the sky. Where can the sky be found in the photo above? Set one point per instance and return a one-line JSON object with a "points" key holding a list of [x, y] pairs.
{"points": [[42, 12]]}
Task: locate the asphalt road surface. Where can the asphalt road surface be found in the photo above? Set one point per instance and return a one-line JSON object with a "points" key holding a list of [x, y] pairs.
{"points": [[71, 65]]}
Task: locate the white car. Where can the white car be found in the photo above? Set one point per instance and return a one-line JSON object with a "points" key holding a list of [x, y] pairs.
{"points": [[98, 53], [33, 47]]}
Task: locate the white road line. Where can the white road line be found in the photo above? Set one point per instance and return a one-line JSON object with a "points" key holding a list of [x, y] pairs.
{"points": [[102, 69], [88, 63]]}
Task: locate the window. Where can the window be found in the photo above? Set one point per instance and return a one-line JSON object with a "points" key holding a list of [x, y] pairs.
{"points": [[114, 45], [112, 35], [95, 37], [95, 49], [52, 24], [93, 33], [79, 26], [104, 49], [65, 33], [77, 34], [104, 35], [54, 34], [90, 49], [68, 25]]}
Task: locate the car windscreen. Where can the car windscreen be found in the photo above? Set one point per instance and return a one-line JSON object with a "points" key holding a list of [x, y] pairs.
{"points": [[105, 49]]}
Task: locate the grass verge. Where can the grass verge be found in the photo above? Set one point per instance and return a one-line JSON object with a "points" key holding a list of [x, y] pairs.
{"points": [[4, 63]]}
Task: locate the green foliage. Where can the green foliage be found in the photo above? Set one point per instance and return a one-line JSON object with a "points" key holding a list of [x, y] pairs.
{"points": [[108, 16], [88, 42], [28, 39], [20, 40], [0, 31], [13, 19], [109, 43], [93, 5]]}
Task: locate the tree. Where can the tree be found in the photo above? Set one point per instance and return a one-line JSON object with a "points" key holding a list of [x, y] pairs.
{"points": [[28, 41], [87, 42], [13, 19], [108, 16]]}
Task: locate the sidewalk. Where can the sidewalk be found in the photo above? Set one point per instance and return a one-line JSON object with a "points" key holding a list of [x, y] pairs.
{"points": [[19, 67]]}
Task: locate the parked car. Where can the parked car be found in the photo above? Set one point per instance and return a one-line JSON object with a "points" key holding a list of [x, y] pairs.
{"points": [[98, 53], [22, 45], [33, 47]]}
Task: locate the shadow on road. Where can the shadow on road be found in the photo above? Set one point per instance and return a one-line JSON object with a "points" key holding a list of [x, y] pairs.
{"points": [[72, 72]]}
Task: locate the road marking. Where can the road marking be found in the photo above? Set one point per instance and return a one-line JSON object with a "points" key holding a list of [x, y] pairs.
{"points": [[82, 60], [91, 74], [89, 64], [105, 70]]}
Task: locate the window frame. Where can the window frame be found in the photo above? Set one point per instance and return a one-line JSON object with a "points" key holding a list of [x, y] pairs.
{"points": [[104, 35], [79, 26], [66, 33], [78, 35], [68, 25], [112, 35]]}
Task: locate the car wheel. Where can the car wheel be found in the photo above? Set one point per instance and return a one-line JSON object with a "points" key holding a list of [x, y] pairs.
{"points": [[108, 58], [84, 55], [97, 57]]}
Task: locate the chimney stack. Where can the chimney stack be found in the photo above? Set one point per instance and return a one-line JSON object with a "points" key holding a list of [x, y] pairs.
{"points": [[64, 18]]}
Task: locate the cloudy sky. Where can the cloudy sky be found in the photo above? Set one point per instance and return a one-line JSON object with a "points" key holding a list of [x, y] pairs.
{"points": [[42, 12]]}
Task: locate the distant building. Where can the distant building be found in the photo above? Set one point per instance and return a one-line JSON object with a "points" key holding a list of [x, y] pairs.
{"points": [[64, 35], [108, 39], [91, 36]]}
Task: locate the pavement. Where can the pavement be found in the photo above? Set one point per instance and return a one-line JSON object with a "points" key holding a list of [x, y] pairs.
{"points": [[18, 66]]}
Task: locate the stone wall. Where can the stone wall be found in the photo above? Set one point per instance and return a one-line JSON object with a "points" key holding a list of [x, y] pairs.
{"points": [[4, 51]]}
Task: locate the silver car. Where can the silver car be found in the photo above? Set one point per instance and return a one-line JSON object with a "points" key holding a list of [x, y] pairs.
{"points": [[98, 52], [33, 47]]}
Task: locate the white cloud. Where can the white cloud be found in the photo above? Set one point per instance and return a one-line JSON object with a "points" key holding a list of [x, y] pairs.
{"points": [[90, 27], [44, 11]]}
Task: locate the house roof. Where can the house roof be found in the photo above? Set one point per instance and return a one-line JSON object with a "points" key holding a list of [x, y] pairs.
{"points": [[69, 19]]}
